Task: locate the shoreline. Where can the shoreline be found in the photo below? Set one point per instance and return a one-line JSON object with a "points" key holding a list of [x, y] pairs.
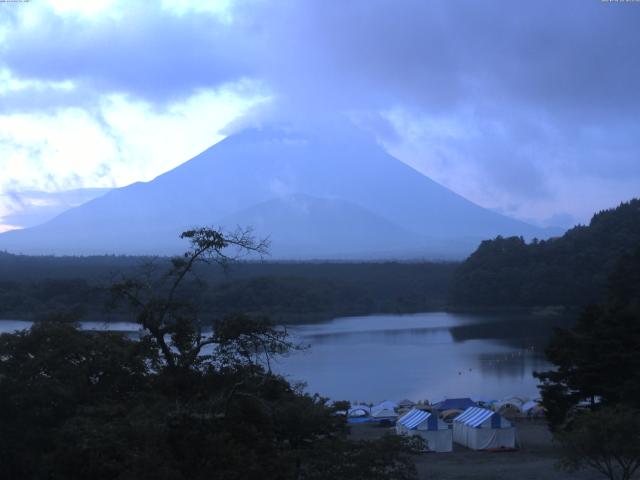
{"points": [[292, 319]]}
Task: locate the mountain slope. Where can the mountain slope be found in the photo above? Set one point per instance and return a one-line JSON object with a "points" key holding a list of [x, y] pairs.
{"points": [[300, 226], [258, 166]]}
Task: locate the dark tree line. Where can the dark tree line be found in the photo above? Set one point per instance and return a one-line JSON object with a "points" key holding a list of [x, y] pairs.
{"points": [[569, 270], [33, 287]]}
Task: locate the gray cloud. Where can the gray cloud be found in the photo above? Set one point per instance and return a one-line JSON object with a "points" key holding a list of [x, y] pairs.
{"points": [[573, 58], [44, 99], [149, 53], [549, 87], [30, 208]]}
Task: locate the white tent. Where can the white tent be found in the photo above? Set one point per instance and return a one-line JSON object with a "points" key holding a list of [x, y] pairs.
{"points": [[434, 431], [480, 429], [359, 411], [385, 409]]}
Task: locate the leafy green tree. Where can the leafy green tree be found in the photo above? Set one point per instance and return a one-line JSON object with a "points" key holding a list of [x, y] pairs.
{"points": [[390, 457], [48, 375], [162, 306], [186, 401], [598, 361], [607, 440]]}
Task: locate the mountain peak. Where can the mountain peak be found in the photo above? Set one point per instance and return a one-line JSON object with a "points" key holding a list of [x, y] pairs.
{"points": [[251, 175]]}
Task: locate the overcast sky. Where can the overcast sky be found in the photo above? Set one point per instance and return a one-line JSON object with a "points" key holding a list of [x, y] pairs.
{"points": [[531, 108]]}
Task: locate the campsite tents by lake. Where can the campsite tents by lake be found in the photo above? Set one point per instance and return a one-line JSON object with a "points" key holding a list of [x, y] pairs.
{"points": [[427, 425], [480, 429]]}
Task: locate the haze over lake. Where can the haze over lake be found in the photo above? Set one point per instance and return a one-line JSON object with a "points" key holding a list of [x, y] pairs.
{"points": [[420, 356]]}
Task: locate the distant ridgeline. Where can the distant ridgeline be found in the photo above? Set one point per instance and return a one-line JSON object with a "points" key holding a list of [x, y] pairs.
{"points": [[35, 287], [569, 270]]}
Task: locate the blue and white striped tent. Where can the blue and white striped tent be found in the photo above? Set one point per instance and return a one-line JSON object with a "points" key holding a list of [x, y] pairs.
{"points": [[434, 431], [415, 418], [476, 416], [480, 429]]}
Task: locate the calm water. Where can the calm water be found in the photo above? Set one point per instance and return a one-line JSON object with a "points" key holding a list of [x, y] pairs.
{"points": [[423, 356]]}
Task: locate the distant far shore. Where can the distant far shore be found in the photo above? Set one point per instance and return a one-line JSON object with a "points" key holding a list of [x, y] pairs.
{"points": [[317, 317], [548, 310]]}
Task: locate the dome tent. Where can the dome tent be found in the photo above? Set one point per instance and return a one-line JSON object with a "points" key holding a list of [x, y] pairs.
{"points": [[359, 411], [434, 431], [480, 429], [384, 410], [509, 408]]}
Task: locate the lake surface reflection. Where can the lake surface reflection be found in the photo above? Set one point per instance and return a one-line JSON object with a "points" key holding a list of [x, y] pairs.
{"points": [[422, 356]]}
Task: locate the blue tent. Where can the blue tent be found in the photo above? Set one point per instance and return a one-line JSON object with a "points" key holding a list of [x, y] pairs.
{"points": [[480, 429], [436, 433], [455, 403]]}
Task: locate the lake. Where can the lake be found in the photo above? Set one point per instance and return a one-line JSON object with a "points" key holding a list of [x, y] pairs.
{"points": [[421, 356]]}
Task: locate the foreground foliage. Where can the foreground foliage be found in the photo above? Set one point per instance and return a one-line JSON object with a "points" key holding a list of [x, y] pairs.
{"points": [[607, 440], [598, 361], [184, 401], [592, 398]]}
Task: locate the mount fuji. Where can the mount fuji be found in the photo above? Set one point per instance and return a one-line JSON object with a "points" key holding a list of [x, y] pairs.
{"points": [[316, 196]]}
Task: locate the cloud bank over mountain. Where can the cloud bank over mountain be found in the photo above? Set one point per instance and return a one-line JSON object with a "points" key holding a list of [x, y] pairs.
{"points": [[528, 107], [30, 208], [322, 194]]}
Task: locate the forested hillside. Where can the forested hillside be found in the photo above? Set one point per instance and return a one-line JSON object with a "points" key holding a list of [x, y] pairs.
{"points": [[568, 270], [32, 287]]}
